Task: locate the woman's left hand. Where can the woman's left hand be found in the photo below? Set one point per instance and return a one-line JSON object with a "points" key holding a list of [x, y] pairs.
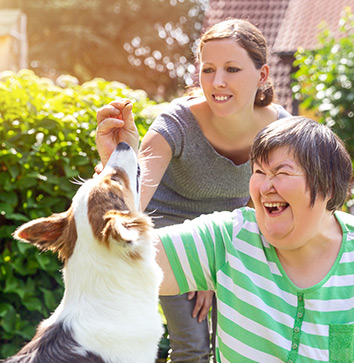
{"points": [[202, 305]]}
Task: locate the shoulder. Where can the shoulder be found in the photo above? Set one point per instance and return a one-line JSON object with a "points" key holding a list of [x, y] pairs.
{"points": [[179, 104], [176, 112], [231, 223], [281, 111], [206, 223], [270, 113], [199, 108], [244, 218], [346, 221]]}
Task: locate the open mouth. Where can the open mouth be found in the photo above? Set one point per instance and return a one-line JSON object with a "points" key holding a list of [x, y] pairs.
{"points": [[221, 98], [275, 207]]}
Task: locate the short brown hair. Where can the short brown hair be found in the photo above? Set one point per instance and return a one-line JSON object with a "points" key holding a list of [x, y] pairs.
{"points": [[320, 153]]}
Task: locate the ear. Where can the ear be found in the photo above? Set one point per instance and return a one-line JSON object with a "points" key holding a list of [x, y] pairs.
{"points": [[123, 226], [264, 74], [42, 232], [54, 233]]}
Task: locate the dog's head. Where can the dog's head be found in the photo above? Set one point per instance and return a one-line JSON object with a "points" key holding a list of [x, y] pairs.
{"points": [[104, 209]]}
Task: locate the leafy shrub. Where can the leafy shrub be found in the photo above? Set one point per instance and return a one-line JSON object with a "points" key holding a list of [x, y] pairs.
{"points": [[47, 139], [324, 80]]}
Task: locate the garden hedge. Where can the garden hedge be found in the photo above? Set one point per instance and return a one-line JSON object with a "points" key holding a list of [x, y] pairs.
{"points": [[47, 140], [324, 78]]}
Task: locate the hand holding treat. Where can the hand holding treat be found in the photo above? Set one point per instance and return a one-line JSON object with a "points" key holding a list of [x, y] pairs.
{"points": [[115, 123]]}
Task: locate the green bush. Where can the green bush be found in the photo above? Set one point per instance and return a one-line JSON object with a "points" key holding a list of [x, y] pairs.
{"points": [[47, 139], [325, 78]]}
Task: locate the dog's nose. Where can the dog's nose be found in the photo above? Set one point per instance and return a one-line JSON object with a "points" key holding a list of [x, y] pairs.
{"points": [[122, 146]]}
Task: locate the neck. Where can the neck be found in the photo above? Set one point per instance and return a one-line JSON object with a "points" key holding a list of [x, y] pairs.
{"points": [[309, 264]]}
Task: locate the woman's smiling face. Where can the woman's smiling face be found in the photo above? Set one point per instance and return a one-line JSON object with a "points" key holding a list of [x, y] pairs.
{"points": [[228, 76], [282, 201]]}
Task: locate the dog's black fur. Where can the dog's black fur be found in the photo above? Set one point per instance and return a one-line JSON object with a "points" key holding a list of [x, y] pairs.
{"points": [[59, 346]]}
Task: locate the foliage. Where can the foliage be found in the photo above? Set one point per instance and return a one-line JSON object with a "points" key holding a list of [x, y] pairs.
{"points": [[325, 79], [47, 139], [146, 45]]}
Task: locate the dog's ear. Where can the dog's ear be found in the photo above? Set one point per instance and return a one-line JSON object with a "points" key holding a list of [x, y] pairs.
{"points": [[123, 226], [56, 233]]}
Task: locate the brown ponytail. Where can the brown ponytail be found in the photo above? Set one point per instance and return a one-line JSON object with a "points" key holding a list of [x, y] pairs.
{"points": [[264, 95]]}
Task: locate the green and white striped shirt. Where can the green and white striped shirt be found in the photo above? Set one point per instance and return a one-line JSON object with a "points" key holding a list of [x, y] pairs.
{"points": [[262, 315]]}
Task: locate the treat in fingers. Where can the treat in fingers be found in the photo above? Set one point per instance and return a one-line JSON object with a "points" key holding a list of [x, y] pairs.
{"points": [[115, 124]]}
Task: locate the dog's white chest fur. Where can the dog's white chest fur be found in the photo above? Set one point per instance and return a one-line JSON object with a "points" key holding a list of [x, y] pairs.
{"points": [[112, 307]]}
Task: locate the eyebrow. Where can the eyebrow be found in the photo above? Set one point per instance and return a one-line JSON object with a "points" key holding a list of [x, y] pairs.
{"points": [[227, 62], [283, 165], [278, 167]]}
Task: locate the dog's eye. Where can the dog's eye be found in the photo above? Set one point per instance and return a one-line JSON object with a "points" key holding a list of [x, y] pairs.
{"points": [[115, 178]]}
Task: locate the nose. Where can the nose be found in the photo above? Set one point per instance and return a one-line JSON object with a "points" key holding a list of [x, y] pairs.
{"points": [[267, 185], [219, 79], [122, 146]]}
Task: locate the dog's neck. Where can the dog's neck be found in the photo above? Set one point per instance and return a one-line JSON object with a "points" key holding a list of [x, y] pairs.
{"points": [[97, 282]]}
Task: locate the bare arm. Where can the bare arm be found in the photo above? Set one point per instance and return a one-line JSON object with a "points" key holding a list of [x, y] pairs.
{"points": [[169, 284], [154, 156]]}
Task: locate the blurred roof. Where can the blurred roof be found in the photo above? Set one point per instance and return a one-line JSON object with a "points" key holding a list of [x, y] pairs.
{"points": [[304, 17], [267, 15], [286, 25]]}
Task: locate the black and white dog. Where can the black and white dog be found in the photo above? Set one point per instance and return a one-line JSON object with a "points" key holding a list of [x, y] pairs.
{"points": [[109, 312]]}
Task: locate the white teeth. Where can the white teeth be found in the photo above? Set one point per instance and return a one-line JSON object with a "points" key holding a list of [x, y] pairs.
{"points": [[275, 205], [221, 98]]}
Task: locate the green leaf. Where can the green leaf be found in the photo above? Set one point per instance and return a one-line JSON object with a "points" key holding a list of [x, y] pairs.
{"points": [[9, 319], [5, 308], [16, 217], [5, 209], [24, 247], [9, 349], [26, 182], [9, 197], [26, 330], [32, 304], [50, 299]]}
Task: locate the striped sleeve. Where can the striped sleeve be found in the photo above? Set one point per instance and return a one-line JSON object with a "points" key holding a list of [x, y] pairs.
{"points": [[191, 246]]}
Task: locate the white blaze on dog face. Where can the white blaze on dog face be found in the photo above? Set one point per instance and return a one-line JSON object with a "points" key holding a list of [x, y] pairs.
{"points": [[113, 200], [123, 157]]}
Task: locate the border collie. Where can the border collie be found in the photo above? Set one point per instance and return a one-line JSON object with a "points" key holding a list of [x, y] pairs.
{"points": [[109, 311]]}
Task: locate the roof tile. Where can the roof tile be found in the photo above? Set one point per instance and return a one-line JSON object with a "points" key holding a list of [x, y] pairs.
{"points": [[305, 17]]}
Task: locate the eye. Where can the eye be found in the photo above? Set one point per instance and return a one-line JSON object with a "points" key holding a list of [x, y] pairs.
{"points": [[115, 178], [282, 172], [233, 69], [258, 171], [207, 70]]}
